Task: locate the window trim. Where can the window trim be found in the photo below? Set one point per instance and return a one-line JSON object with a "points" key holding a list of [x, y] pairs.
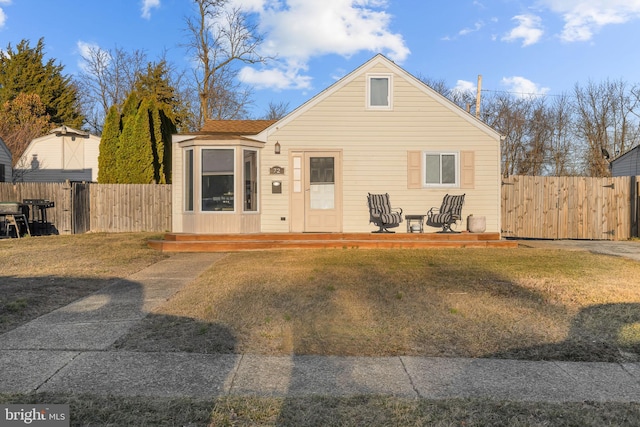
{"points": [[185, 204], [457, 166], [389, 105], [257, 183]]}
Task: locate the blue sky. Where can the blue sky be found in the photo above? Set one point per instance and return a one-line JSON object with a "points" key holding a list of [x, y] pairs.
{"points": [[520, 46]]}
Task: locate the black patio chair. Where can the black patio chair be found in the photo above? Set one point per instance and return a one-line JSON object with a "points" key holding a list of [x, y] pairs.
{"points": [[382, 214], [447, 215]]}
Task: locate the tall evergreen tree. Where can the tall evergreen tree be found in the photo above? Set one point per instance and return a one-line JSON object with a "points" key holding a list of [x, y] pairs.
{"points": [[140, 146], [143, 130], [109, 142], [24, 70]]}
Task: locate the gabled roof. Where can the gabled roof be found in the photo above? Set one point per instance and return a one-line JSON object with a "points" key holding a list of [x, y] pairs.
{"points": [[65, 130], [619, 156], [226, 129], [377, 60]]}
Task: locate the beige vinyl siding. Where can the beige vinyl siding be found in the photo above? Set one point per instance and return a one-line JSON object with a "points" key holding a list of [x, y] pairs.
{"points": [[274, 207], [375, 146]]}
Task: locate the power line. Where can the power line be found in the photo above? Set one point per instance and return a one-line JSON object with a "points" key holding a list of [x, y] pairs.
{"points": [[526, 93]]}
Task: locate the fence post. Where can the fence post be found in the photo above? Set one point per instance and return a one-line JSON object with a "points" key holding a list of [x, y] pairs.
{"points": [[634, 201]]}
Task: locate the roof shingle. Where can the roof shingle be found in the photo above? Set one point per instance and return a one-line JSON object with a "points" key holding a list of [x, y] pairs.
{"points": [[235, 127]]}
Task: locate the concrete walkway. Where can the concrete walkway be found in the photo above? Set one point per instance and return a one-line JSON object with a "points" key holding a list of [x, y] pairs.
{"points": [[69, 350]]}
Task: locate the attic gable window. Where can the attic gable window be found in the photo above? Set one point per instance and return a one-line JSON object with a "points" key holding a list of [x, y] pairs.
{"points": [[379, 91]]}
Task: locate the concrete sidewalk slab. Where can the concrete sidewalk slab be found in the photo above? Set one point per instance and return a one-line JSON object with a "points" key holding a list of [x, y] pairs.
{"points": [[438, 378], [316, 375], [25, 371], [602, 381], [65, 336], [146, 374], [181, 266]]}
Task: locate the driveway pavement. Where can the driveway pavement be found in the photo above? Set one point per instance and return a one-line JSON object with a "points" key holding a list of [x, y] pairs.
{"points": [[627, 249]]}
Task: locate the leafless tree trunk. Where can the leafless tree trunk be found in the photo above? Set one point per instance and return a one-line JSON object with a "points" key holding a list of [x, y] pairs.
{"points": [[561, 149], [509, 116], [538, 139], [220, 38]]}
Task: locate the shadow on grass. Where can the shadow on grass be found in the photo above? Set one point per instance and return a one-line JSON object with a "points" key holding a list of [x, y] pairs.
{"points": [[25, 299], [599, 333]]}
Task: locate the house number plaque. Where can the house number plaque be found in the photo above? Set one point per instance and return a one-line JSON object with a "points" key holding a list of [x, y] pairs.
{"points": [[276, 170]]}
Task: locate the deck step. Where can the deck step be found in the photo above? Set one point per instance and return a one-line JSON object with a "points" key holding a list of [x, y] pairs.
{"points": [[179, 242]]}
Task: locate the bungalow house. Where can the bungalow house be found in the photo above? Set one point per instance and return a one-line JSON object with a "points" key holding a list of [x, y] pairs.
{"points": [[627, 163], [5, 162], [63, 154], [377, 130]]}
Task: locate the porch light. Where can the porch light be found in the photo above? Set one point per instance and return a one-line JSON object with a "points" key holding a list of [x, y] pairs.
{"points": [[277, 148]]}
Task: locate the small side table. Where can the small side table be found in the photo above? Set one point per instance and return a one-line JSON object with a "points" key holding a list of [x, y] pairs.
{"points": [[415, 219]]}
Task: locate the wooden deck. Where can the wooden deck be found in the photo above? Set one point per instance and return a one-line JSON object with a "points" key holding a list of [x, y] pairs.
{"points": [[183, 242]]}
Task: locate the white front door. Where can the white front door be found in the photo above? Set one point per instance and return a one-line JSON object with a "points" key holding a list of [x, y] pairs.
{"points": [[317, 191]]}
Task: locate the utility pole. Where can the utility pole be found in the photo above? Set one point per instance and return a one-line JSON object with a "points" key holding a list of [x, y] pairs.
{"points": [[478, 96]]}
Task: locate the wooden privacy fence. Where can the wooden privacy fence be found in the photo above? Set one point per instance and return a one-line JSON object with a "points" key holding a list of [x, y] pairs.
{"points": [[60, 193], [81, 207], [570, 207], [130, 207]]}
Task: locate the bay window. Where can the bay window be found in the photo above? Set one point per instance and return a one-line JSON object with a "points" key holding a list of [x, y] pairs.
{"points": [[218, 172]]}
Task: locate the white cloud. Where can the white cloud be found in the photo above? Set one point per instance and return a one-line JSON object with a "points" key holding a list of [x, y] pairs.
{"points": [[147, 5], [274, 78], [477, 27], [583, 18], [84, 50], [529, 29], [523, 87], [299, 30], [3, 16], [462, 87]]}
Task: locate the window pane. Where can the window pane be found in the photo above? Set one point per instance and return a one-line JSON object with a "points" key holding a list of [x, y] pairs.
{"points": [[448, 169], [250, 181], [217, 180], [432, 164], [188, 176], [321, 170], [379, 91], [322, 189], [217, 161]]}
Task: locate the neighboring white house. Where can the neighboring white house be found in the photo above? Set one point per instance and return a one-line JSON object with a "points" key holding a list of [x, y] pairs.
{"points": [[377, 130], [5, 162], [627, 163], [64, 154]]}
